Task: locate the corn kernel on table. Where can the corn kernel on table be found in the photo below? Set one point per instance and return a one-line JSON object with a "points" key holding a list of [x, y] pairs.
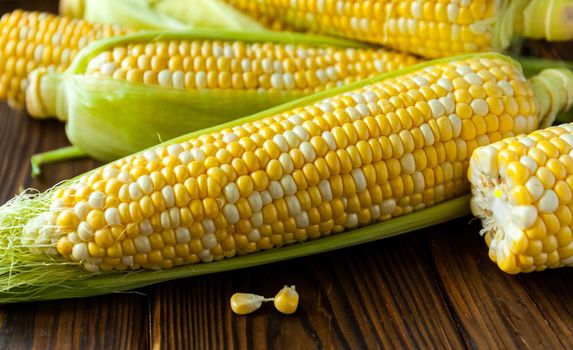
{"points": [[434, 288]]}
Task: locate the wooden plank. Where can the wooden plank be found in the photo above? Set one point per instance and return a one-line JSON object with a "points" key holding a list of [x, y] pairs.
{"points": [[377, 295], [494, 309], [112, 322], [29, 5]]}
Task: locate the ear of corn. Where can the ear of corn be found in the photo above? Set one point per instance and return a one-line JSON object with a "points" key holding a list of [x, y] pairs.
{"points": [[172, 83], [348, 159], [160, 14], [426, 28], [32, 39], [522, 192]]}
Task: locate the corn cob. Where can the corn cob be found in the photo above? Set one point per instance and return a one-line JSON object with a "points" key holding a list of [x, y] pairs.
{"points": [[329, 163], [181, 74], [427, 28], [522, 191], [161, 14], [32, 39]]}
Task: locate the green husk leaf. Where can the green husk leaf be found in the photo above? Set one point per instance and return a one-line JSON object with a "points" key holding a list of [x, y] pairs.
{"points": [[148, 114], [206, 14], [161, 14], [533, 65], [551, 20]]}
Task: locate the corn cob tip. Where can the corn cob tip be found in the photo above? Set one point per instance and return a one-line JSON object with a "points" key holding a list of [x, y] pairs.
{"points": [[553, 89], [549, 19], [42, 94], [72, 8]]}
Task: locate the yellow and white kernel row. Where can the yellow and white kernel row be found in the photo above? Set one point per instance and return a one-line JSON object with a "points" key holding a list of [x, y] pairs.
{"points": [[430, 28], [29, 40], [212, 64], [363, 156]]}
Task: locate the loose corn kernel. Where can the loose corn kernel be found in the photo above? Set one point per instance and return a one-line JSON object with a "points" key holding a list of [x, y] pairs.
{"points": [[286, 300], [245, 303]]}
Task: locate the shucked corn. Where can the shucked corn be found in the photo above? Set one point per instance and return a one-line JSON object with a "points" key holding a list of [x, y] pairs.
{"points": [[384, 150], [429, 28], [523, 193], [29, 40]]}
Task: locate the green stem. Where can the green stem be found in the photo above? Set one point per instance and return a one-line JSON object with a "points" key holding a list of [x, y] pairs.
{"points": [[55, 156]]}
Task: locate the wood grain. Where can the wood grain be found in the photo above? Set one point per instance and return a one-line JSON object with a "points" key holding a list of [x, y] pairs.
{"points": [[495, 309], [353, 298]]}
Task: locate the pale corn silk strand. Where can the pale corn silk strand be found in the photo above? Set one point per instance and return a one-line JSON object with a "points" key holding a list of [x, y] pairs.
{"points": [[28, 275]]}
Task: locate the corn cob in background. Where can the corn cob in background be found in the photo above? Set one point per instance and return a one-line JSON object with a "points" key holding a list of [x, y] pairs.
{"points": [[428, 28], [160, 14], [332, 162], [32, 39], [169, 84]]}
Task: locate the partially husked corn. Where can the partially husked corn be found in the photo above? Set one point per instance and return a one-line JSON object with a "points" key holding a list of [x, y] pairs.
{"points": [[366, 155], [29, 40], [523, 192], [191, 80], [429, 28], [243, 65]]}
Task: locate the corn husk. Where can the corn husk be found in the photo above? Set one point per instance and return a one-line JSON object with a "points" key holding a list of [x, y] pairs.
{"points": [[148, 114], [160, 14]]}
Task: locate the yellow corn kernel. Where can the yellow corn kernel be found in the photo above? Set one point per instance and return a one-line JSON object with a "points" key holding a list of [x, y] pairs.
{"points": [[286, 300]]}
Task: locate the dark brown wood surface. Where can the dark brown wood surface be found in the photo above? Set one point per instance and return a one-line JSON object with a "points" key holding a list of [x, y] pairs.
{"points": [[434, 288]]}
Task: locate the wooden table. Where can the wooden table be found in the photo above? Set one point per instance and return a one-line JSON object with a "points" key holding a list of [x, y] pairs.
{"points": [[434, 288]]}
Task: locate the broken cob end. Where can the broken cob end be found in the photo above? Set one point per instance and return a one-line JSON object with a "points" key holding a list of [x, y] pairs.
{"points": [[502, 189]]}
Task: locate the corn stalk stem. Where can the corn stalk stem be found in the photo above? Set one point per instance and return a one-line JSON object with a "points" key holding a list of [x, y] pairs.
{"points": [[54, 156]]}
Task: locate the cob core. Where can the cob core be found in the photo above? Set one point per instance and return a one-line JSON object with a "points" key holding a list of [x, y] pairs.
{"points": [[362, 156]]}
